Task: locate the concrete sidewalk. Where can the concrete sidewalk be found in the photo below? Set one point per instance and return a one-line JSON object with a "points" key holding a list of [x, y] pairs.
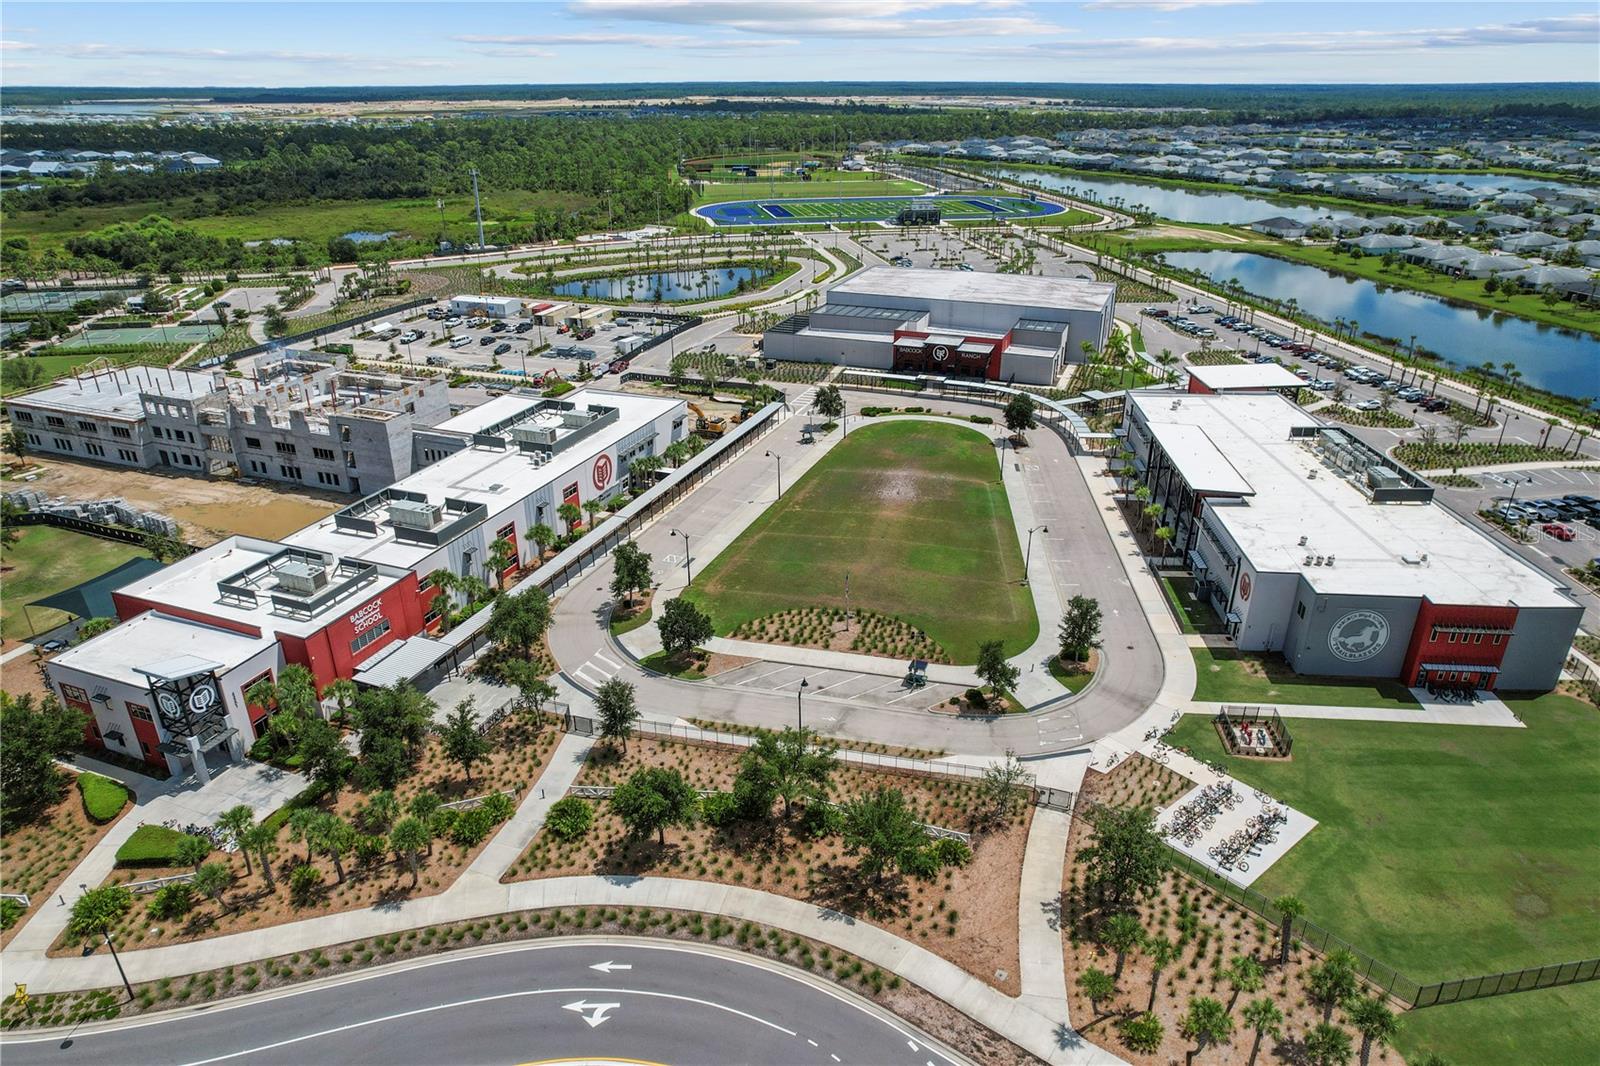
{"points": [[1484, 714]]}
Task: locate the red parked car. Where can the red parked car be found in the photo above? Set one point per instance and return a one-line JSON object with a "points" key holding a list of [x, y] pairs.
{"points": [[1558, 531]]}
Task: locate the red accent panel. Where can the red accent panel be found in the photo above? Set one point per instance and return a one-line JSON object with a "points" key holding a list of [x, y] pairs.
{"points": [[147, 733], [326, 653], [132, 606], [1462, 654], [1196, 385]]}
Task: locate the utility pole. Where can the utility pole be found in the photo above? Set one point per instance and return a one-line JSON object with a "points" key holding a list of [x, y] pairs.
{"points": [[477, 207]]}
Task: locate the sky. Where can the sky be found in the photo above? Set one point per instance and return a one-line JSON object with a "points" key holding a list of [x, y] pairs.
{"points": [[211, 42]]}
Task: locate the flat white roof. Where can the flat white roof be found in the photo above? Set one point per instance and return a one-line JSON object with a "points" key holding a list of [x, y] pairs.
{"points": [[475, 419], [1369, 541], [1020, 290], [495, 478], [191, 584], [152, 639], [115, 393], [1245, 376]]}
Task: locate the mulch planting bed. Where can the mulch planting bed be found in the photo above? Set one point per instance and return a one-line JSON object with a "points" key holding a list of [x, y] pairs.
{"points": [[518, 756], [967, 915], [36, 857]]}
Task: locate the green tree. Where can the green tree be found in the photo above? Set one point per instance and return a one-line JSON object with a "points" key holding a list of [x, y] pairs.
{"points": [[794, 762], [1021, 414], [343, 692], [164, 547], [33, 735], [380, 811], [1333, 981], [1080, 627], [1289, 908], [93, 627], [1127, 859], [631, 566], [881, 829], [517, 623], [652, 799], [593, 507], [393, 723], [97, 910], [302, 827], [1205, 1022], [212, 879], [829, 403], [1161, 952], [235, 823], [616, 710], [502, 554], [1264, 1019], [407, 839], [640, 471], [462, 742], [1327, 1045], [192, 851], [1373, 1019], [542, 536], [1096, 986], [335, 838], [1165, 535], [322, 753], [1001, 792], [262, 839], [1244, 974], [1121, 933], [683, 628], [569, 515], [993, 668]]}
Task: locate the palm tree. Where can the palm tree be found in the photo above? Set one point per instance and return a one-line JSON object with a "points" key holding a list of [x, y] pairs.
{"points": [[303, 827], [212, 880], [1264, 1017], [591, 508], [1165, 535], [1205, 1022], [408, 838], [1244, 974], [234, 823], [569, 514], [263, 840], [342, 692], [1375, 1022], [1097, 986], [502, 553], [1161, 952], [1333, 981], [1327, 1045], [334, 837], [1121, 933], [542, 536], [1290, 908]]}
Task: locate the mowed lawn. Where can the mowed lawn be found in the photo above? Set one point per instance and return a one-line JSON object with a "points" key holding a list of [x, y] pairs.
{"points": [[915, 514], [853, 185], [45, 560], [1452, 852]]}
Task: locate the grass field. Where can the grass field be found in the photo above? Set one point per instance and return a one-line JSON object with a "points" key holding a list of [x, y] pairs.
{"points": [[314, 223], [846, 185], [1450, 852], [45, 560], [1236, 677], [153, 335], [915, 514], [771, 211]]}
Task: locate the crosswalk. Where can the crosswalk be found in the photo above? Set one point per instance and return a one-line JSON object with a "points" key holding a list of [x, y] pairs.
{"points": [[801, 404], [597, 670]]}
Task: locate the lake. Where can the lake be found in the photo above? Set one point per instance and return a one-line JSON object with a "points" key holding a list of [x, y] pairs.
{"points": [[1562, 361], [664, 287], [367, 236], [1180, 205]]}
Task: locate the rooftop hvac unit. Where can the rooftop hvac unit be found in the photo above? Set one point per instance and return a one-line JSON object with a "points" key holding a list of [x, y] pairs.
{"points": [[302, 578], [1330, 560], [414, 515], [1318, 562], [1308, 560], [1302, 542]]}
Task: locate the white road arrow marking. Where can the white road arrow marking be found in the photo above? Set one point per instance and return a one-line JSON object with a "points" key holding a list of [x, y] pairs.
{"points": [[593, 1013], [607, 967]]}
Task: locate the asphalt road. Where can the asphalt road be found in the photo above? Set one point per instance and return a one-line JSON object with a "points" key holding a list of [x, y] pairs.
{"points": [[532, 1002]]}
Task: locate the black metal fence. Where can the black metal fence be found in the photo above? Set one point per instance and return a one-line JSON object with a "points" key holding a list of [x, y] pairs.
{"points": [[1254, 731], [84, 525], [1379, 975]]}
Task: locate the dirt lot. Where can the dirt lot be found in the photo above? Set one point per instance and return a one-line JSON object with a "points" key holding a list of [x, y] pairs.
{"points": [[207, 509], [968, 915]]}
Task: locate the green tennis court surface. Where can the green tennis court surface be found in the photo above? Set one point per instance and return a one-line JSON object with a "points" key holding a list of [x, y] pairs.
{"points": [[960, 207]]}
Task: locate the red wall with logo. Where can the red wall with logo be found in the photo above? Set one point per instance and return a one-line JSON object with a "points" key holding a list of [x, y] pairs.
{"points": [[326, 653], [1467, 650]]}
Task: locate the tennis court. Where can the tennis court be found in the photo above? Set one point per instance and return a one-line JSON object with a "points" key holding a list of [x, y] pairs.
{"points": [[960, 207], [134, 335]]}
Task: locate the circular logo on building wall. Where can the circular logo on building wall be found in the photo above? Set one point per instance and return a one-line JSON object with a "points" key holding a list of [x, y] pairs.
{"points": [[941, 353], [1358, 635], [1244, 586], [202, 697], [602, 471], [170, 706]]}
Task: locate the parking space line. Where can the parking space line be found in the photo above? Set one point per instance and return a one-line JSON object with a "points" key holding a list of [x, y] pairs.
{"points": [[768, 674]]}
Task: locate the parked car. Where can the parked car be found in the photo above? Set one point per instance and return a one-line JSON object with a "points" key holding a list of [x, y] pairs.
{"points": [[1558, 531], [1155, 312], [1411, 394], [1433, 403], [1369, 405], [1322, 385], [460, 342], [523, 327], [502, 348], [486, 339]]}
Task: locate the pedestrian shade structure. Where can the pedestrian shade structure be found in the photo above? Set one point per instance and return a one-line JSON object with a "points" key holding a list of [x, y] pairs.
{"points": [[92, 598]]}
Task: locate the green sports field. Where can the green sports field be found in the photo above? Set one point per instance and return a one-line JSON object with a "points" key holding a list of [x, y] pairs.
{"points": [[955, 207], [1451, 852], [914, 513]]}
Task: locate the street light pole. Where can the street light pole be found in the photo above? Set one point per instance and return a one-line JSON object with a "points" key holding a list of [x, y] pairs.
{"points": [[105, 931], [779, 460], [1028, 559], [799, 716], [686, 570]]}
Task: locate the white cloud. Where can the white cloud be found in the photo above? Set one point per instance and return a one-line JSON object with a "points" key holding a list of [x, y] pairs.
{"points": [[93, 50], [17, 46], [825, 18], [509, 43], [1164, 6]]}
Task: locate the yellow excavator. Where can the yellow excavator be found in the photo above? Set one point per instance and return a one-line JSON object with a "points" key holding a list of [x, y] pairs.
{"points": [[712, 426]]}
